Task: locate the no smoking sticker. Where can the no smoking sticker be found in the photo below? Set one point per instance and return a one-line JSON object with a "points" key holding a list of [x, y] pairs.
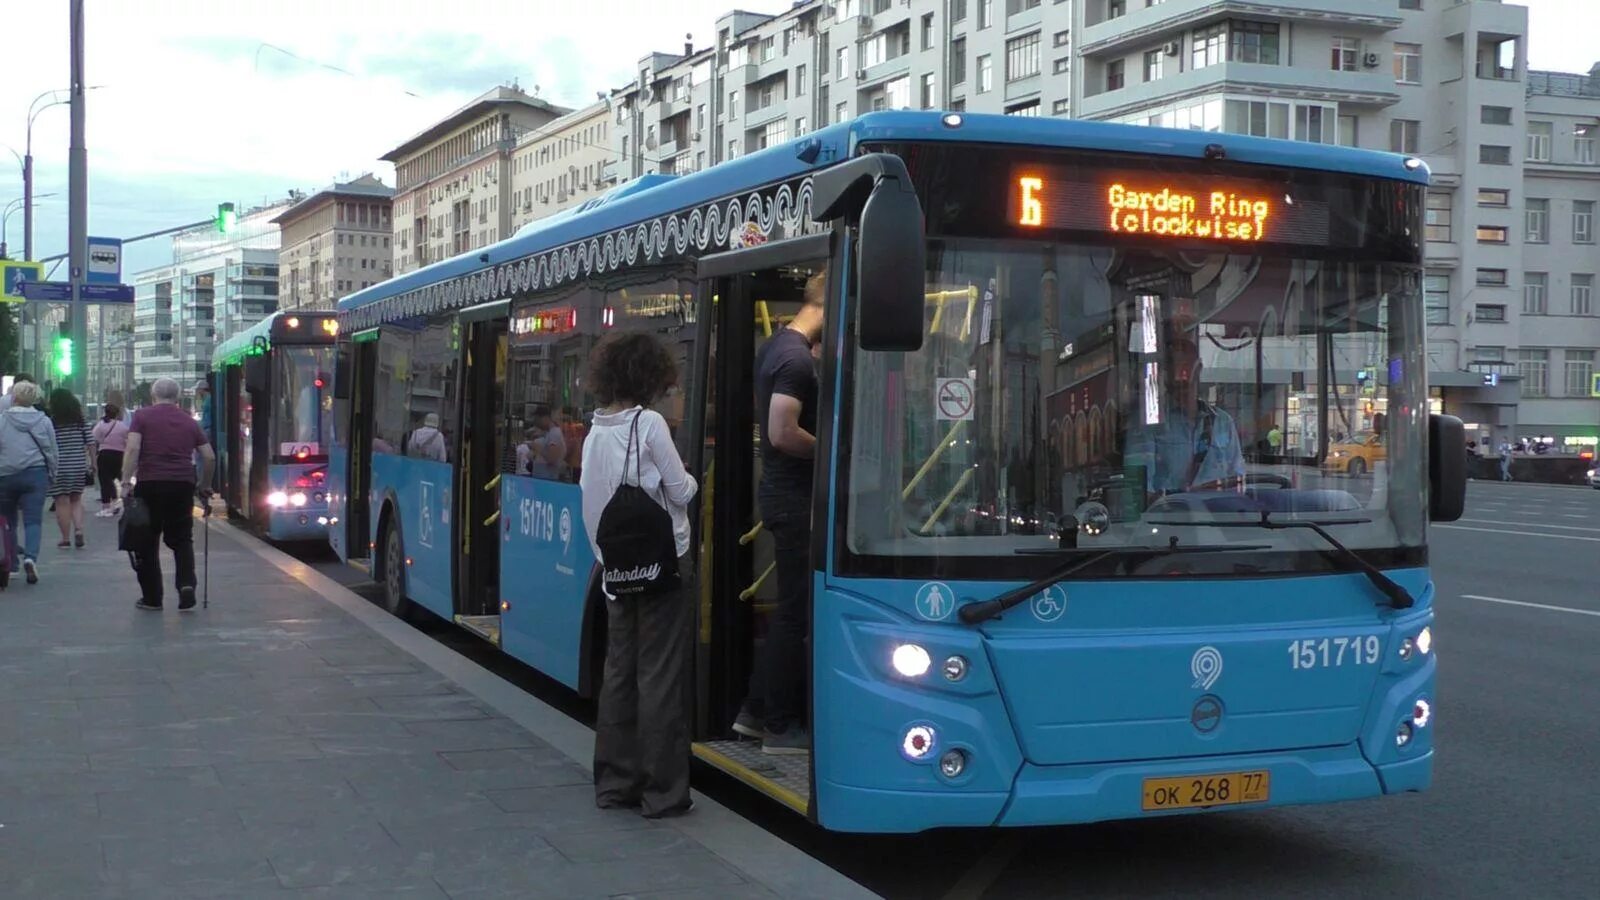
{"points": [[954, 399]]}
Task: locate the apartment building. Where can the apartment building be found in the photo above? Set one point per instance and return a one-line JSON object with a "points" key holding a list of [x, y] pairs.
{"points": [[562, 164], [453, 180], [217, 285], [336, 241]]}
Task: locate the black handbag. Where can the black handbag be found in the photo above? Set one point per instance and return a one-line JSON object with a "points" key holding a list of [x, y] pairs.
{"points": [[133, 528]]}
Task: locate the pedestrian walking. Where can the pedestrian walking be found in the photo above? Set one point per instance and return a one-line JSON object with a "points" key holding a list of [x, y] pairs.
{"points": [[74, 463], [1505, 460], [27, 458], [110, 437], [162, 442], [636, 497]]}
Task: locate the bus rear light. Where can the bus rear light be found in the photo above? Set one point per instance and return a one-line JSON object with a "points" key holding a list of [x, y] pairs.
{"points": [[952, 763], [918, 742], [911, 660]]}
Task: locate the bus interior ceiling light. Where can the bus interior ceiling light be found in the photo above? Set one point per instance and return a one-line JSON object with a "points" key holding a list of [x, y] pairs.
{"points": [[911, 660]]}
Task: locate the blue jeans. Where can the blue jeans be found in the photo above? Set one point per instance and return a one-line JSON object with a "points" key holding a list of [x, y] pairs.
{"points": [[24, 489]]}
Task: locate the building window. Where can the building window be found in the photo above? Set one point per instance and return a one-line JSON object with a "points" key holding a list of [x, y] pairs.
{"points": [[733, 104], [1059, 108], [1436, 296], [1060, 38], [1253, 42], [1580, 372], [1405, 136], [1539, 134], [1489, 353], [1535, 288], [841, 63], [985, 74], [1495, 115], [841, 110], [1314, 124], [733, 148], [897, 93], [800, 126], [1534, 367], [1022, 57], [1582, 295], [1257, 117], [958, 12], [1060, 66], [1349, 131], [1408, 63], [1494, 155], [1206, 46], [773, 134], [1014, 7], [1494, 197], [958, 61], [1346, 54], [1492, 234], [1029, 109], [1114, 75], [926, 93], [1410, 4], [1152, 64], [1116, 9], [1538, 218], [927, 32], [800, 81], [1492, 277], [1583, 221], [985, 13], [1491, 312], [1583, 147], [1436, 218]]}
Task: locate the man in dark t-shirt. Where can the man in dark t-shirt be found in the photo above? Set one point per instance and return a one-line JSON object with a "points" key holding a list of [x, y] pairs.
{"points": [[160, 457], [786, 409]]}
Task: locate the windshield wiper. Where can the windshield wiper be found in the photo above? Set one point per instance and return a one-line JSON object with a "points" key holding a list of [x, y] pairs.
{"points": [[973, 613], [1399, 598]]}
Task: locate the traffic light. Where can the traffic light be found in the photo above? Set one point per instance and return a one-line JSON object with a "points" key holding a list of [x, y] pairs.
{"points": [[64, 356], [227, 219]]}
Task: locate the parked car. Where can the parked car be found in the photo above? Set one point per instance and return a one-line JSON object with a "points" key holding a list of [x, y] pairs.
{"points": [[1357, 454], [1594, 478]]}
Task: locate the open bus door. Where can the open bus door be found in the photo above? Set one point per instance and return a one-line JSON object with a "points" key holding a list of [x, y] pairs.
{"points": [[477, 491], [757, 293], [363, 368]]}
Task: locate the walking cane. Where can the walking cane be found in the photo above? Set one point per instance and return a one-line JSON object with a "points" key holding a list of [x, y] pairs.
{"points": [[205, 589]]}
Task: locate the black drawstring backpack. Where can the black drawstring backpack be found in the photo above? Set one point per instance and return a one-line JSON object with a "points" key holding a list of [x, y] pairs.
{"points": [[639, 555]]}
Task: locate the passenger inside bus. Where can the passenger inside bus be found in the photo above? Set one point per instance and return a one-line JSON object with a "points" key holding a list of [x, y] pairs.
{"points": [[427, 441], [543, 451], [1184, 443]]}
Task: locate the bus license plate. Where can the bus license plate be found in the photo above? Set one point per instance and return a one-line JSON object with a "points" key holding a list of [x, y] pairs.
{"points": [[1199, 791]]}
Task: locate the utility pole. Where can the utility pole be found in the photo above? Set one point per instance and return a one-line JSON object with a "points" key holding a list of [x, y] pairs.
{"points": [[78, 212]]}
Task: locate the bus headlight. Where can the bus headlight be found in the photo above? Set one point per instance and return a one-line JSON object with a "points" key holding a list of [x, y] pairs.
{"points": [[1425, 640], [952, 763], [277, 498], [298, 498], [911, 660], [955, 668], [1402, 735]]}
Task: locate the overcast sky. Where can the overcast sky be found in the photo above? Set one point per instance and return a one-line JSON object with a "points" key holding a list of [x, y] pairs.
{"points": [[213, 100]]}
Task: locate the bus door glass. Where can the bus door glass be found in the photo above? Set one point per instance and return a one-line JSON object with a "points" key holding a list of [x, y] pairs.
{"points": [[357, 516], [483, 446]]}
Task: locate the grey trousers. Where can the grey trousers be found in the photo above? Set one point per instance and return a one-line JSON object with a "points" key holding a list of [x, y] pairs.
{"points": [[641, 734]]}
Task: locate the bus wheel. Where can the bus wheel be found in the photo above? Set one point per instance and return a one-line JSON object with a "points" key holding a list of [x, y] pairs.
{"points": [[394, 572]]}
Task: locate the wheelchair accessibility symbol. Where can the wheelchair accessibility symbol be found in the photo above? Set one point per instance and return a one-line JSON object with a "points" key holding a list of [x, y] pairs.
{"points": [[935, 601], [1050, 604]]}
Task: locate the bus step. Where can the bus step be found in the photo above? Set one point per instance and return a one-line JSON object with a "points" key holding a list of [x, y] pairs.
{"points": [[786, 779], [486, 627]]}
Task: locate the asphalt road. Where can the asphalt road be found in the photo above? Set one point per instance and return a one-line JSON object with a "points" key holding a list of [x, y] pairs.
{"points": [[1515, 806]]}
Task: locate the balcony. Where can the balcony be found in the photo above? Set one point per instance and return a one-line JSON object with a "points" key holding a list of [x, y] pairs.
{"points": [[1170, 20], [777, 65], [884, 71], [1027, 18], [1023, 87], [1373, 87]]}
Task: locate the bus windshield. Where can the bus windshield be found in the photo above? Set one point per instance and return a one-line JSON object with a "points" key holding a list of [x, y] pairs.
{"points": [[303, 403], [1098, 391]]}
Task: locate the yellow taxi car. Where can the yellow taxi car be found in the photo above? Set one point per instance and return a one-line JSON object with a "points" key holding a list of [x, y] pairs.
{"points": [[1355, 455]]}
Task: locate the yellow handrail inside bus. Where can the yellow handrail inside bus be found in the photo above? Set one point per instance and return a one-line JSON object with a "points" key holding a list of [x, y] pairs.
{"points": [[707, 500], [949, 440], [493, 518], [766, 318], [939, 511], [750, 591], [493, 483], [939, 297], [748, 536]]}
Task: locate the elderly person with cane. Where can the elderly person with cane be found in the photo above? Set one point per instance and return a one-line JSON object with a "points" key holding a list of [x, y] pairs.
{"points": [[162, 442]]}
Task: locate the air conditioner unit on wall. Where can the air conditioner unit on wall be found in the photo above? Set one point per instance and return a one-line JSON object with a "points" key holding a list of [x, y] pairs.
{"points": [[1370, 60], [1174, 48], [861, 74]]}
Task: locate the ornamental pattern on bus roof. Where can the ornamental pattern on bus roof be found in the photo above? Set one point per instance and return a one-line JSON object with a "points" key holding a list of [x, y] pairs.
{"points": [[773, 213]]}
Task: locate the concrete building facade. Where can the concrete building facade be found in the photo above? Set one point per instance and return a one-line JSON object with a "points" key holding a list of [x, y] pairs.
{"points": [[562, 164], [217, 285], [453, 179], [336, 241]]}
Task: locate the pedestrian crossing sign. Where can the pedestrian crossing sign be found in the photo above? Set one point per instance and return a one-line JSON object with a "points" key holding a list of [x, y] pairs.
{"points": [[13, 274]]}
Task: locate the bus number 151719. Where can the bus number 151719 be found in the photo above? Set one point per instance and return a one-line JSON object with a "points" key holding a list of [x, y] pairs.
{"points": [[1325, 652]]}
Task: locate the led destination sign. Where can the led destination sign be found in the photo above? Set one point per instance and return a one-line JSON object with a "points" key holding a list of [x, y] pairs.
{"points": [[1191, 209]]}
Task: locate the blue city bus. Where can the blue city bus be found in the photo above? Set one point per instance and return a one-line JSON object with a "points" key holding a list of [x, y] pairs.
{"points": [[1075, 556], [272, 389]]}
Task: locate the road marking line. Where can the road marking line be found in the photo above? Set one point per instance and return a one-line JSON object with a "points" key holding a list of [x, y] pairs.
{"points": [[983, 874], [1559, 537], [1527, 524], [1565, 609]]}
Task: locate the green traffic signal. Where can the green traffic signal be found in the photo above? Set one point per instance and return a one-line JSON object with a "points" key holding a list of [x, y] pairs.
{"points": [[64, 357], [227, 219]]}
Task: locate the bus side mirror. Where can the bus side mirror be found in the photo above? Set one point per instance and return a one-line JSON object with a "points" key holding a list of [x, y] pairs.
{"points": [[1447, 468], [256, 373], [876, 193]]}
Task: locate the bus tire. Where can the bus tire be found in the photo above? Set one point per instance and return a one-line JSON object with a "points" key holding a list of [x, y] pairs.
{"points": [[392, 571]]}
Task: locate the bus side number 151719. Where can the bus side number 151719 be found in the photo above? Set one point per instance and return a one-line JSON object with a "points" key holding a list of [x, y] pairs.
{"points": [[538, 519], [1325, 652]]}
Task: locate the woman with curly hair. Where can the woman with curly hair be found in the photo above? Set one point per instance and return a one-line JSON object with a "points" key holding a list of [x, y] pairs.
{"points": [[641, 749], [75, 460]]}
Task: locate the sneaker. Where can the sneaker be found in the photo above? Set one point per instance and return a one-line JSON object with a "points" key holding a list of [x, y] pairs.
{"points": [[185, 599], [150, 606], [77, 540], [795, 741], [105, 512], [31, 570], [748, 724]]}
